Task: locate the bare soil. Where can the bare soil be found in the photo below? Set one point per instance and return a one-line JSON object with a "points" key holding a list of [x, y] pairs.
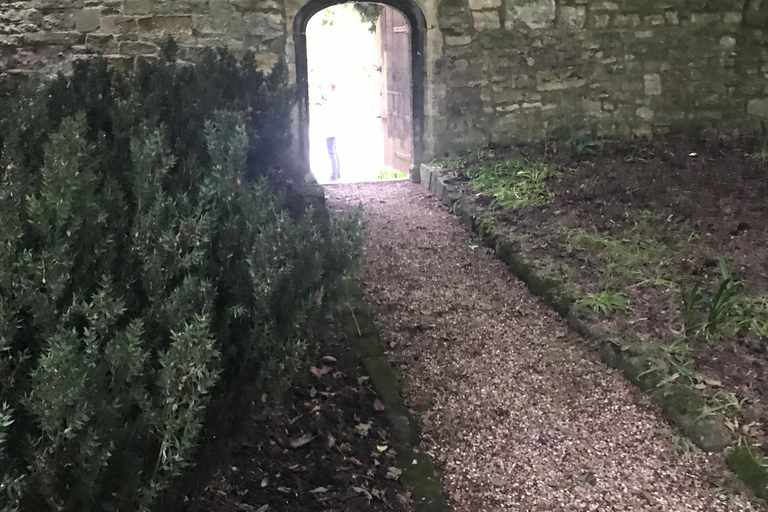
{"points": [[711, 192], [325, 448], [518, 413]]}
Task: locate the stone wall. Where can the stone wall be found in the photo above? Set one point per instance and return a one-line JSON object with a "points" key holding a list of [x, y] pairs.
{"points": [[47, 34], [496, 70], [518, 70]]}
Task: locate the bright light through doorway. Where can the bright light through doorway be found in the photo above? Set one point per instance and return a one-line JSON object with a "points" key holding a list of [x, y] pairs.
{"points": [[342, 51]]}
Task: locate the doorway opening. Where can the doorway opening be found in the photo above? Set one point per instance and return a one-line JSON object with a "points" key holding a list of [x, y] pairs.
{"points": [[360, 74]]}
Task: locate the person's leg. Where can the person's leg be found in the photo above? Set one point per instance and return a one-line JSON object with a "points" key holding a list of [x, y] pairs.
{"points": [[332, 153]]}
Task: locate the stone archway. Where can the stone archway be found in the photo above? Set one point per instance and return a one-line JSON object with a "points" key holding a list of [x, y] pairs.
{"points": [[418, 26]]}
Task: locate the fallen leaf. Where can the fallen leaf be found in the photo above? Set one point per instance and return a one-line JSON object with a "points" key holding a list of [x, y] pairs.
{"points": [[378, 405], [319, 372], [329, 359], [363, 428], [364, 491], [319, 490], [262, 508], [382, 447], [394, 473], [713, 382], [298, 442]]}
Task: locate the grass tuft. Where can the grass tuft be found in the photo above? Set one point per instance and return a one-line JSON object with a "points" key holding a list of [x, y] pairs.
{"points": [[605, 302], [515, 182], [390, 174]]}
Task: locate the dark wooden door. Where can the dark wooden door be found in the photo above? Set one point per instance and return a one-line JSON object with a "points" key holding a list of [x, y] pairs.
{"points": [[393, 35]]}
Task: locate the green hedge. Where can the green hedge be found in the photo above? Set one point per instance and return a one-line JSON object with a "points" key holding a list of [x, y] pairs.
{"points": [[152, 296]]}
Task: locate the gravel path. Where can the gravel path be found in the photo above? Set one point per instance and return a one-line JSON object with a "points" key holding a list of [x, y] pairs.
{"points": [[519, 414]]}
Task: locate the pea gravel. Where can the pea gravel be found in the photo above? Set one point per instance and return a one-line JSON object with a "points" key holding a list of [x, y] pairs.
{"points": [[518, 412]]}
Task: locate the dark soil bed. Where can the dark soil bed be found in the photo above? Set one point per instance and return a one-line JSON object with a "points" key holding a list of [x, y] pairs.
{"points": [[326, 448], [706, 198]]}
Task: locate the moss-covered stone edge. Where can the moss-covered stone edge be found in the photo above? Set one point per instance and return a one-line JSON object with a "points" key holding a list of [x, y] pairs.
{"points": [[419, 475], [682, 404]]}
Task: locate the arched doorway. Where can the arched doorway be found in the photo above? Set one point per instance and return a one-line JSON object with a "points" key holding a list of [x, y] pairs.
{"points": [[417, 29]]}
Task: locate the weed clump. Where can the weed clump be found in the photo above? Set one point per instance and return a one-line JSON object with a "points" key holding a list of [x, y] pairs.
{"points": [[515, 182]]}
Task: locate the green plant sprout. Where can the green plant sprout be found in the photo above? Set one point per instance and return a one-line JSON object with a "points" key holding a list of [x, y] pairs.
{"points": [[390, 174], [605, 302], [515, 182], [637, 256]]}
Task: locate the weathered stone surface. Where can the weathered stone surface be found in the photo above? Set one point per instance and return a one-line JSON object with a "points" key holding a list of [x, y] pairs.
{"points": [[758, 107], [612, 67], [652, 84], [87, 20], [266, 25], [486, 20], [457, 40], [535, 14], [484, 4], [553, 81], [166, 24], [573, 16]]}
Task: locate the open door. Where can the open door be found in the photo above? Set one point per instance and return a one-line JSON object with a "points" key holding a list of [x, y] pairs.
{"points": [[393, 36]]}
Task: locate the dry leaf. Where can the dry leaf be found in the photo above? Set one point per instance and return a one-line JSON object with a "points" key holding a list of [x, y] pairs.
{"points": [[329, 359], [394, 473], [363, 428], [298, 442], [364, 491], [378, 405], [319, 372]]}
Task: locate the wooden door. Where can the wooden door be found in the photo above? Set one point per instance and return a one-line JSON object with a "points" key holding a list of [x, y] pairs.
{"points": [[393, 35]]}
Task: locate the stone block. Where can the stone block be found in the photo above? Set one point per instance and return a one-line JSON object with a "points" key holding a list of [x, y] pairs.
{"points": [[117, 24], [256, 5], [477, 5], [601, 21], [652, 84], [166, 24], [672, 18], [457, 40], [758, 107], [486, 20], [536, 14], [138, 48], [574, 17], [551, 81], [103, 43], [452, 17], [176, 7], [268, 26], [655, 20], [645, 113], [87, 20], [54, 39], [626, 20], [704, 18]]}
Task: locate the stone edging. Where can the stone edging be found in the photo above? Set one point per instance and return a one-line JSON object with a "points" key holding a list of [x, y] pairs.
{"points": [[419, 476], [681, 403]]}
